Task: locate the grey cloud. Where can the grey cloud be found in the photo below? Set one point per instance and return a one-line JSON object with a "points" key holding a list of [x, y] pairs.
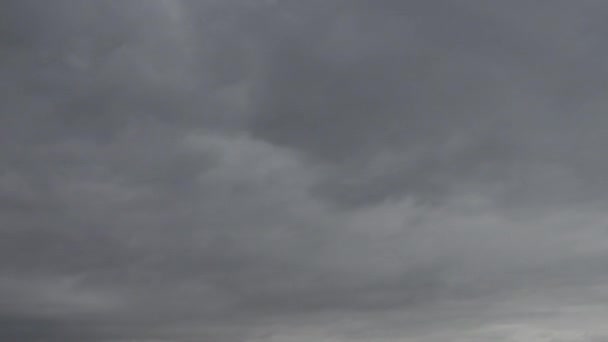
{"points": [[281, 170], [461, 90], [14, 328]]}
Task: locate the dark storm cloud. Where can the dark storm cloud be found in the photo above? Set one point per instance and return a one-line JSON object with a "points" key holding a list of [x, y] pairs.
{"points": [[14, 328], [455, 89], [286, 170]]}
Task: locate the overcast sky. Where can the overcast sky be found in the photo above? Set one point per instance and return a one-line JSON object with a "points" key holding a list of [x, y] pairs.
{"points": [[303, 170]]}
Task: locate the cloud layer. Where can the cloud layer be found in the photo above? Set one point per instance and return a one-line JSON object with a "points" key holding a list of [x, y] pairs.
{"points": [[303, 170]]}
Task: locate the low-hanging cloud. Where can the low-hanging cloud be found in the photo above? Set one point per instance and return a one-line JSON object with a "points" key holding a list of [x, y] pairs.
{"points": [[288, 170]]}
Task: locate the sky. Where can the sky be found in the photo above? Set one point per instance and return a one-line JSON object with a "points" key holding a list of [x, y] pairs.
{"points": [[303, 170]]}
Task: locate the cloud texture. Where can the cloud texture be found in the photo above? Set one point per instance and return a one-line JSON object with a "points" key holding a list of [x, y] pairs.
{"points": [[326, 170]]}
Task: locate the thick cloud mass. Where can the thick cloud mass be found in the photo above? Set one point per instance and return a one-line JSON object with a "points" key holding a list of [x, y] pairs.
{"points": [[325, 170]]}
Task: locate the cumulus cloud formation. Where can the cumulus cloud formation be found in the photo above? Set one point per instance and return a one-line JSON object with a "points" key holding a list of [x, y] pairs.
{"points": [[326, 170]]}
